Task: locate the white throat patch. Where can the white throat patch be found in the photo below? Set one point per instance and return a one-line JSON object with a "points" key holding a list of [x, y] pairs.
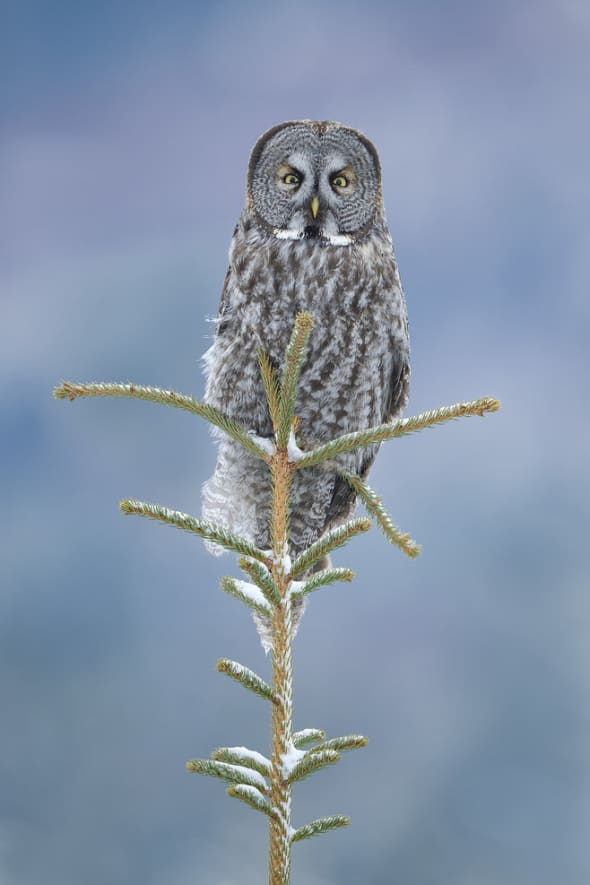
{"points": [[331, 239], [286, 234]]}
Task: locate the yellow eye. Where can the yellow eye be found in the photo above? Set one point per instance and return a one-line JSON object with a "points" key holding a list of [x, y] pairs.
{"points": [[292, 179], [340, 181]]}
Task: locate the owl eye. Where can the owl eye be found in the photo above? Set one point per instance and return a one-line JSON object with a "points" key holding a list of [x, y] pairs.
{"points": [[291, 179], [339, 181]]}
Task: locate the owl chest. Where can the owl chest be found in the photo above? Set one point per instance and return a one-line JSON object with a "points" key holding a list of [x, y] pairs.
{"points": [[343, 375]]}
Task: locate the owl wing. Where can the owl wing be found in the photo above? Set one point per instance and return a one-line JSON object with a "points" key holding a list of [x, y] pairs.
{"points": [[222, 320], [398, 391], [395, 400]]}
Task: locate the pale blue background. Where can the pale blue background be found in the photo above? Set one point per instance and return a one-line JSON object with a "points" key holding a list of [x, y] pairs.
{"points": [[125, 133]]}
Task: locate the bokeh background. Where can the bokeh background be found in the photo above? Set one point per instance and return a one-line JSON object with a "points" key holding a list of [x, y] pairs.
{"points": [[125, 131]]}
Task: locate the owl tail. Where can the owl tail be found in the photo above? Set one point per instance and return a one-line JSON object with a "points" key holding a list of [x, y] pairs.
{"points": [[298, 605], [264, 626]]}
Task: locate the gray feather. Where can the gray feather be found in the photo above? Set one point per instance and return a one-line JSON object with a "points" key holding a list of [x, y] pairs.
{"points": [[356, 373]]}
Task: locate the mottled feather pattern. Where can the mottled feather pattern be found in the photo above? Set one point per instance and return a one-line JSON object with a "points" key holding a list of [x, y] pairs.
{"points": [[355, 296], [355, 375]]}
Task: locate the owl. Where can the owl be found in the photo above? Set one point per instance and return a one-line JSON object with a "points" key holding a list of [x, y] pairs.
{"points": [[312, 237]]}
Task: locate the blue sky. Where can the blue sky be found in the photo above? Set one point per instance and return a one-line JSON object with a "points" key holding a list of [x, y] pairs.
{"points": [[124, 135]]}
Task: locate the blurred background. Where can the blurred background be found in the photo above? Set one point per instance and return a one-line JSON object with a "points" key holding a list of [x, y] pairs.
{"points": [[125, 130]]}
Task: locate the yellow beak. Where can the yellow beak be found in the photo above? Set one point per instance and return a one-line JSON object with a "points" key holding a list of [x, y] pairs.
{"points": [[315, 207]]}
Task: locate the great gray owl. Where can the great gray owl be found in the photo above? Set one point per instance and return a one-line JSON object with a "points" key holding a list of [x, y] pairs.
{"points": [[312, 237]]}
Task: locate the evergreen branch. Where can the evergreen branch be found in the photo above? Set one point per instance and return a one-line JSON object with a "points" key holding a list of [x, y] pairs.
{"points": [[70, 391], [244, 757], [307, 736], [374, 505], [294, 358], [248, 594], [402, 427], [265, 784], [251, 796], [350, 742], [330, 541], [208, 530], [261, 577], [322, 579], [272, 388], [248, 678], [232, 774], [311, 762], [319, 826]]}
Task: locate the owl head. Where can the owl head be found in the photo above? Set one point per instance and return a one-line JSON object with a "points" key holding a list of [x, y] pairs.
{"points": [[309, 179]]}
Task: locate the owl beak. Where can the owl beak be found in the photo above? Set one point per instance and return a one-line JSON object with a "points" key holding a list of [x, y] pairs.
{"points": [[315, 207]]}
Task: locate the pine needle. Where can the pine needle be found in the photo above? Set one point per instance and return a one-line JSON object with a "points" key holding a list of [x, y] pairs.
{"points": [[312, 761], [322, 825], [323, 579], [308, 736], [403, 427], [294, 358], [236, 756], [249, 594], [246, 677], [340, 744], [272, 388], [208, 530], [68, 390], [328, 542], [261, 577], [233, 774], [374, 505], [251, 796]]}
